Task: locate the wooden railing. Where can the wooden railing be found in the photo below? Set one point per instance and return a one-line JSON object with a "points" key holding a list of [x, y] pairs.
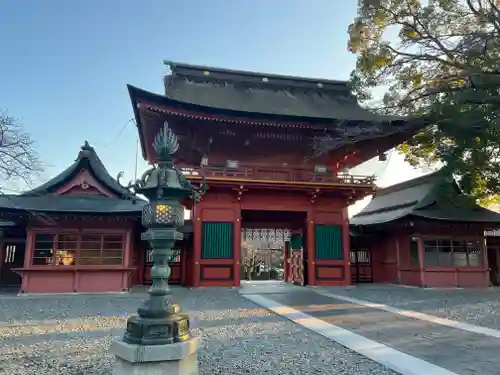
{"points": [[277, 174]]}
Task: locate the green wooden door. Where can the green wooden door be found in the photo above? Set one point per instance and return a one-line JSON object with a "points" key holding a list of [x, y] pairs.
{"points": [[217, 240], [296, 242], [328, 241]]}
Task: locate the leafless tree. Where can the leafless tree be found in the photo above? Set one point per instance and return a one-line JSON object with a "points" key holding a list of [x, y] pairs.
{"points": [[19, 159], [256, 253], [249, 259]]}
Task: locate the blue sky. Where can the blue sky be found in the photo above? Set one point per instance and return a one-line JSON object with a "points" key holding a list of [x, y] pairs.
{"points": [[65, 64]]}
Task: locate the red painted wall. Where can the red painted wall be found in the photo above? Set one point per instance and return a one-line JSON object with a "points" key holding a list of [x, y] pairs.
{"points": [[216, 206], [68, 279], [224, 206], [328, 210], [392, 261]]}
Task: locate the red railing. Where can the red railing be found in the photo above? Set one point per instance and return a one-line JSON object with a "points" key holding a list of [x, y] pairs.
{"points": [[277, 174]]}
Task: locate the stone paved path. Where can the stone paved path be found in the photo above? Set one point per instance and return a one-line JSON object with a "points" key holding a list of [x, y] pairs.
{"points": [[458, 351]]}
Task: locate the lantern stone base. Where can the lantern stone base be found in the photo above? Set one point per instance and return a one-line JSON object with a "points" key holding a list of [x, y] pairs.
{"points": [[170, 359]]}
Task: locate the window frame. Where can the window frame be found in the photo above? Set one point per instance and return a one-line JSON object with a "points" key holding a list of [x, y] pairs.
{"points": [[78, 250], [452, 243]]}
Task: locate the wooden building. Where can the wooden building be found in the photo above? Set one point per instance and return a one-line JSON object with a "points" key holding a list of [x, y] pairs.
{"points": [[424, 232], [252, 136], [78, 232]]}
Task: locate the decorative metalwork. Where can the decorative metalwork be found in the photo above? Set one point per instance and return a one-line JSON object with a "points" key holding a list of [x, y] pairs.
{"points": [[165, 144], [159, 320], [263, 238]]}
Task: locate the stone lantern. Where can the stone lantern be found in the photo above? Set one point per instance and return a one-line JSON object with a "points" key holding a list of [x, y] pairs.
{"points": [[158, 339]]}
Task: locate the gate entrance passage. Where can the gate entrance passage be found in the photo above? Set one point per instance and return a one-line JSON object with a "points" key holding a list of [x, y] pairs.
{"points": [[361, 265], [265, 243], [263, 253], [12, 257]]}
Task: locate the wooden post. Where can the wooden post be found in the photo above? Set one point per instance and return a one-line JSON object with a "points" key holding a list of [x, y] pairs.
{"points": [[28, 255], [484, 254], [197, 239], [237, 248], [286, 258], [398, 260], [421, 264], [310, 248], [346, 244], [2, 253]]}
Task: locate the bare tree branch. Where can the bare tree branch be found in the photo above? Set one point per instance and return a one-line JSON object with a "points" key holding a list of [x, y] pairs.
{"points": [[19, 159]]}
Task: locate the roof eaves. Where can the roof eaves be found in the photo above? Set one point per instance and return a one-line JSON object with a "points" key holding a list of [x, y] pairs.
{"points": [[139, 95]]}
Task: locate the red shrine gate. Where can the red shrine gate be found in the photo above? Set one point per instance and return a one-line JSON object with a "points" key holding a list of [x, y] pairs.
{"points": [[275, 152]]}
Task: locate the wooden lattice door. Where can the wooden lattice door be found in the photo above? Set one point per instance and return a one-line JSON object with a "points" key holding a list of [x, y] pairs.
{"points": [[297, 267]]}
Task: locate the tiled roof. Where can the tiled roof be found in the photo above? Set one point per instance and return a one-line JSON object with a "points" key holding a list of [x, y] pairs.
{"points": [[419, 197], [85, 204], [266, 93]]}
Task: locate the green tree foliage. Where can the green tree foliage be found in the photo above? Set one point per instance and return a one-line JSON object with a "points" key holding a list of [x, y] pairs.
{"points": [[438, 59]]}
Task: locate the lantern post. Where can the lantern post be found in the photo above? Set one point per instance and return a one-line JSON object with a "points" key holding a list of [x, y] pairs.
{"points": [[158, 338]]}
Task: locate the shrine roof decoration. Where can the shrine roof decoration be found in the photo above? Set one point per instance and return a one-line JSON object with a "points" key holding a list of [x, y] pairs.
{"points": [[421, 197], [87, 160]]}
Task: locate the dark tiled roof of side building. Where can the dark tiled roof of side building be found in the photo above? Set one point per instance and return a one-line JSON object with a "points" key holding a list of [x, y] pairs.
{"points": [[42, 199], [419, 197]]}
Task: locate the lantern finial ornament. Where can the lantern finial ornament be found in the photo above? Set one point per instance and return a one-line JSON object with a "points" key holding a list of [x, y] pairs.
{"points": [[165, 144]]}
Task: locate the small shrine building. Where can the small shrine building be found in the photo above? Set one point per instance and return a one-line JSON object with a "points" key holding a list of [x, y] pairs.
{"points": [[78, 232], [423, 232]]}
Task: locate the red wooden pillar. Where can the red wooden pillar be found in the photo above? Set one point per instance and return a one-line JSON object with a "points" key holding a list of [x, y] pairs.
{"points": [[311, 248], [197, 237], [237, 247], [484, 255], [286, 259], [398, 259], [182, 260], [421, 261], [346, 244], [28, 255]]}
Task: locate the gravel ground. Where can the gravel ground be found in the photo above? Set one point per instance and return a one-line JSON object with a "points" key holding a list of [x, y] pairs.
{"points": [[70, 335], [476, 306]]}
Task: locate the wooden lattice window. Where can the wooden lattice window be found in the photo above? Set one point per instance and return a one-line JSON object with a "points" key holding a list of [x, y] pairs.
{"points": [[104, 249], [453, 252], [78, 249]]}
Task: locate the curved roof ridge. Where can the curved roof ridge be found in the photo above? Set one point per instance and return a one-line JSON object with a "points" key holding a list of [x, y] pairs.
{"points": [[87, 158]]}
